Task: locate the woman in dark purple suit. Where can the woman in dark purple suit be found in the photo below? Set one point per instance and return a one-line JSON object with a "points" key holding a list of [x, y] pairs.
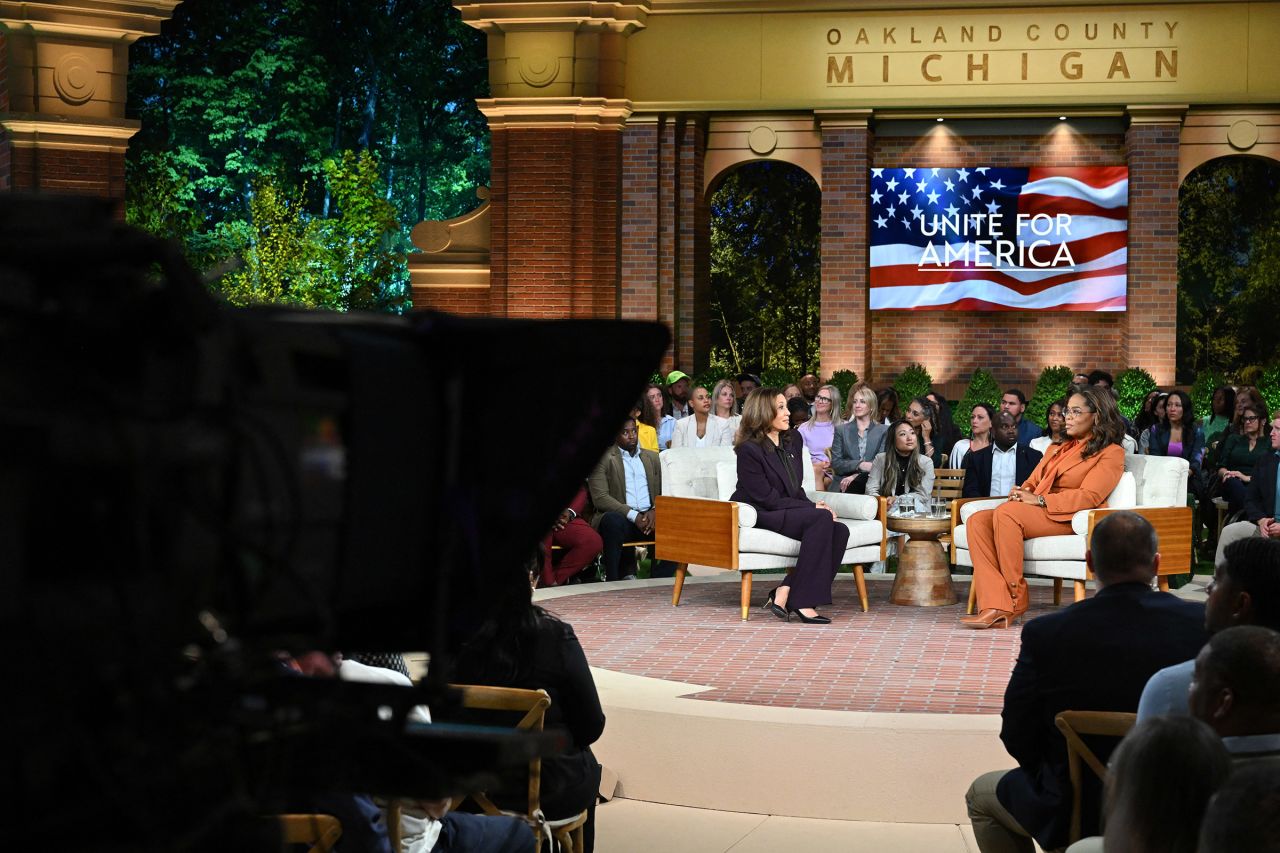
{"points": [[771, 457]]}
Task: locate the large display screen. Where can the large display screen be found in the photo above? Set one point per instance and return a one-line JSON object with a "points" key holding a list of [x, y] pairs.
{"points": [[992, 239]]}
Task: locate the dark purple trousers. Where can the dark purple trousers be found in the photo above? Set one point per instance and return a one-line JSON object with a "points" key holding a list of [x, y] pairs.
{"points": [[822, 543]]}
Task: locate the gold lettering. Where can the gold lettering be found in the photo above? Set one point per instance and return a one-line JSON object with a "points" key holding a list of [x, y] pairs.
{"points": [[1118, 64], [966, 33], [1091, 36], [842, 73], [1024, 66], [862, 36], [1118, 31], [1062, 32], [1168, 63], [1033, 32], [884, 68], [978, 66], [833, 37], [888, 35], [1170, 27], [994, 33], [1073, 71], [924, 68], [939, 36], [1146, 29], [914, 40]]}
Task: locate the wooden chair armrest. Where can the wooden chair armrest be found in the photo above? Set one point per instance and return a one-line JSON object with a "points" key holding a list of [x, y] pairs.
{"points": [[1173, 527], [696, 530], [883, 515]]}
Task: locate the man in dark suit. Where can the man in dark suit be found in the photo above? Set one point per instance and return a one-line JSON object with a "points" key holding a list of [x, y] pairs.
{"points": [[994, 470], [622, 487], [1260, 500], [1095, 655]]}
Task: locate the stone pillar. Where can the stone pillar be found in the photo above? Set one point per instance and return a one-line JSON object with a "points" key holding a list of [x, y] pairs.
{"points": [[1152, 303], [67, 63], [843, 310]]}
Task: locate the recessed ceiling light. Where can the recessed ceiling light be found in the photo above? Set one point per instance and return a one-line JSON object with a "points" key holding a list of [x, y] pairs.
{"points": [[939, 118], [1062, 118]]}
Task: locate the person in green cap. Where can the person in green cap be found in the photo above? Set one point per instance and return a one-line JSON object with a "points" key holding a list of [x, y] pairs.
{"points": [[678, 390]]}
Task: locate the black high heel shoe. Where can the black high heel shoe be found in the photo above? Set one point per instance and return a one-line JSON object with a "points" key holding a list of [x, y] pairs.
{"points": [[808, 620], [780, 612]]}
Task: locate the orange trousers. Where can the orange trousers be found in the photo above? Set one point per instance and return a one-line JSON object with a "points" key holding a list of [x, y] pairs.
{"points": [[996, 538]]}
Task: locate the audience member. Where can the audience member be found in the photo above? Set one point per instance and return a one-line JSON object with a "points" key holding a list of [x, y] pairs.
{"points": [[798, 412], [1239, 453], [1078, 474], [748, 382], [809, 389], [770, 477], [678, 388], [1245, 395], [1055, 431], [791, 392], [1102, 378], [579, 544], [1094, 655], [666, 421], [981, 422], [1244, 814], [1146, 418], [647, 423], [818, 433], [921, 415], [1160, 780], [1236, 690], [702, 429], [856, 443], [1015, 403], [622, 488], [723, 403], [948, 434], [1260, 499], [901, 469], [994, 470], [521, 645], [1179, 435], [1157, 415], [1222, 411], [1080, 379], [887, 411], [1245, 590]]}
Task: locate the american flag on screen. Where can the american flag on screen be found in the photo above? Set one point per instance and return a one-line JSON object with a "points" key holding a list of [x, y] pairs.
{"points": [[988, 239]]}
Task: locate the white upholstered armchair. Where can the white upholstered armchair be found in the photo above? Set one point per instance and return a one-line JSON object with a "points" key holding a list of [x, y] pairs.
{"points": [[698, 524], [1153, 486]]}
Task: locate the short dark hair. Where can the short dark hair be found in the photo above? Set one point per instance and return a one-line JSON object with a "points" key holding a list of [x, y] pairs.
{"points": [[1246, 658], [1122, 543], [1097, 376], [1253, 565], [796, 405], [1245, 813], [748, 377], [1022, 398]]}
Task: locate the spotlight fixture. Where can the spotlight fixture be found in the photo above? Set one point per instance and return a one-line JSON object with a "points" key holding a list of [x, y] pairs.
{"points": [[939, 119], [1062, 118]]}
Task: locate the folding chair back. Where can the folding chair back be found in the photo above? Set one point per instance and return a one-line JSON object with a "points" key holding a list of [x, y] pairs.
{"points": [[1075, 724]]}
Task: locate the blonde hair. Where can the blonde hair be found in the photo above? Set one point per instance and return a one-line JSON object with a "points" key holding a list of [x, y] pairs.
{"points": [[866, 394], [758, 413], [834, 393], [715, 397]]}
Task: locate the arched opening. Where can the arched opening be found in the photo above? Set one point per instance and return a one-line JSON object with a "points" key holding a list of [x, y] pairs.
{"points": [[765, 269], [1228, 267]]}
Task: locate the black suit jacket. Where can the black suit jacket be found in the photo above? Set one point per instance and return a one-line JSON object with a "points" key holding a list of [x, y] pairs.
{"points": [[764, 483], [977, 475], [1095, 655], [1260, 499]]}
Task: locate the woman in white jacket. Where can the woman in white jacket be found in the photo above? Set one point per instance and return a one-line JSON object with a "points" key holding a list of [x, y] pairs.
{"points": [[701, 428]]}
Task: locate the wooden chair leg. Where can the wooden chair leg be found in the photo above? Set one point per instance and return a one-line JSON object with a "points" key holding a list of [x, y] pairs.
{"points": [[1057, 592], [1079, 591], [1162, 581], [681, 570], [973, 595], [746, 594], [862, 586]]}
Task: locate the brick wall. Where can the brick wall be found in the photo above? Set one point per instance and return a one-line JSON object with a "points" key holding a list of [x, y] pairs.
{"points": [[1153, 248], [1013, 345], [638, 242], [843, 309], [60, 170], [469, 301]]}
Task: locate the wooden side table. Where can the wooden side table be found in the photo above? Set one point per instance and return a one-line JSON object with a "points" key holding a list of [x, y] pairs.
{"points": [[924, 576]]}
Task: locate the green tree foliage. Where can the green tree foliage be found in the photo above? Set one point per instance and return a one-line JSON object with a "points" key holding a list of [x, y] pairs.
{"points": [[1228, 266], [279, 255], [983, 388], [778, 377], [1133, 384], [844, 380], [765, 269], [363, 242], [234, 97], [915, 381], [1051, 385], [1269, 385]]}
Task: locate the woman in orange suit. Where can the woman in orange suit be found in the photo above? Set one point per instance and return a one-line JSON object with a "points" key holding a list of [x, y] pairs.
{"points": [[1077, 474]]}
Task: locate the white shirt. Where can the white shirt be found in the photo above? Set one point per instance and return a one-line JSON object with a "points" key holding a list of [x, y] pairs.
{"points": [[958, 453], [637, 483], [1004, 467]]}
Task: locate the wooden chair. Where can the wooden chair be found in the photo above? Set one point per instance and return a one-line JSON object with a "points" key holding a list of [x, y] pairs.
{"points": [[321, 831], [533, 703], [1074, 724], [948, 483]]}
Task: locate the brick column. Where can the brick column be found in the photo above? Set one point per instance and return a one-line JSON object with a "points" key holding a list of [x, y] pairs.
{"points": [[5, 162], [1152, 143], [638, 239], [843, 309], [693, 246]]}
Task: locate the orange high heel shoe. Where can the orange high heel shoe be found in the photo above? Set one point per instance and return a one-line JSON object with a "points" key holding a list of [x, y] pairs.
{"points": [[989, 619]]}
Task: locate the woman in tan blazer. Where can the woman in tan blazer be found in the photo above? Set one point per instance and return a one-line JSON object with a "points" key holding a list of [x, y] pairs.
{"points": [[1077, 474]]}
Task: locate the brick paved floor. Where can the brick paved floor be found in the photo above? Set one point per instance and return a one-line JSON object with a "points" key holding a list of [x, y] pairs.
{"points": [[890, 659]]}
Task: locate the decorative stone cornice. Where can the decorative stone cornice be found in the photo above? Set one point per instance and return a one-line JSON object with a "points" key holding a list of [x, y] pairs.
{"points": [[130, 19], [842, 118], [51, 131], [564, 15], [561, 113], [1156, 113]]}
